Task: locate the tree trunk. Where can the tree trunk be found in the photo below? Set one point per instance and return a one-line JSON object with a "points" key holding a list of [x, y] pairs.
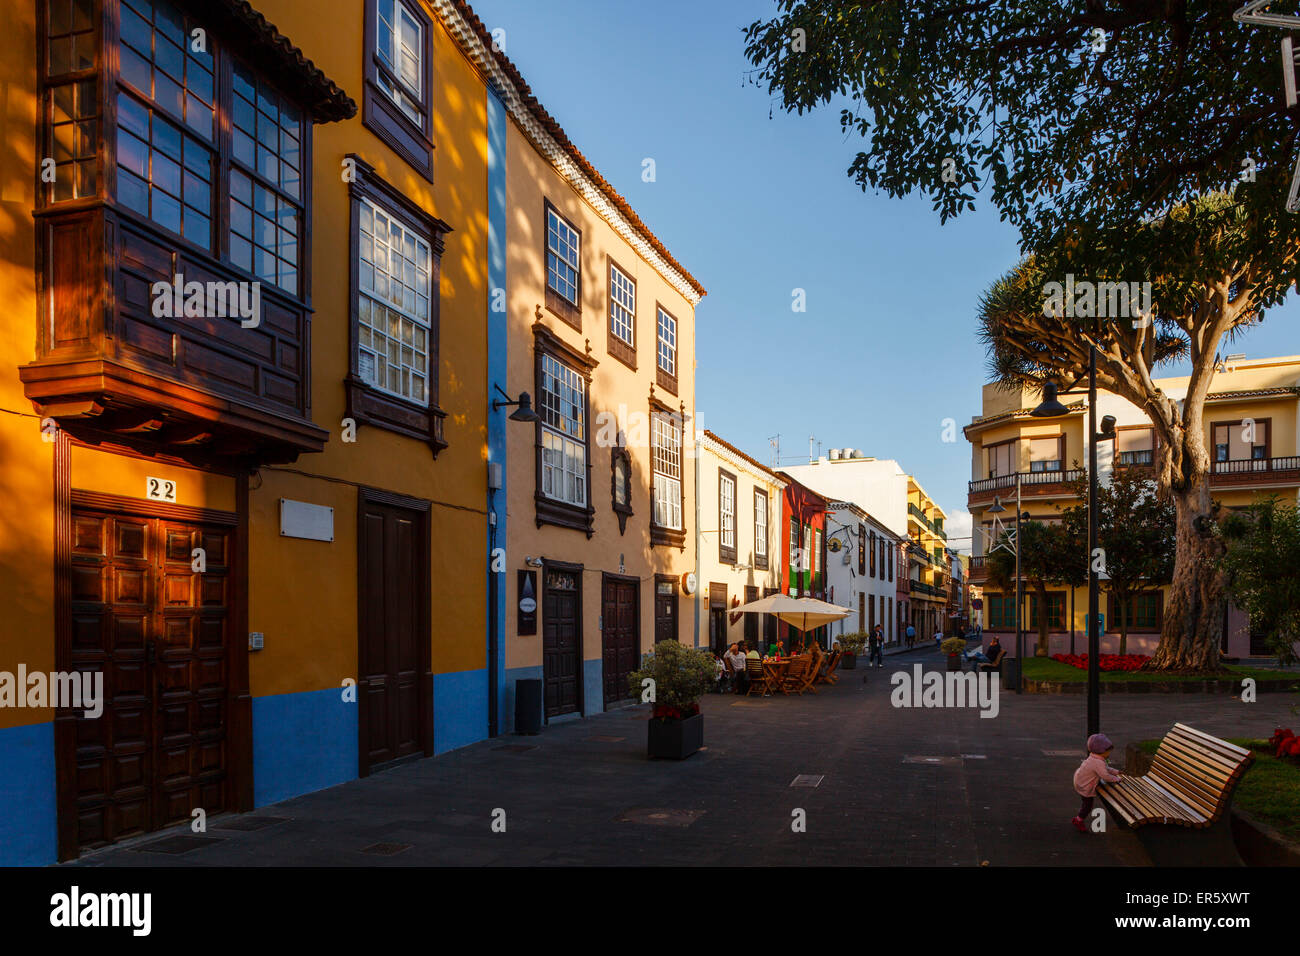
{"points": [[1193, 615], [1123, 626], [1041, 649]]}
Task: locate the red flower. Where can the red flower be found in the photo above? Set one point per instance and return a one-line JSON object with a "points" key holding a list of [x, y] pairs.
{"points": [[1105, 662]]}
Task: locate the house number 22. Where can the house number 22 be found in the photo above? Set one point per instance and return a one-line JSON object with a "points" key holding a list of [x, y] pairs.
{"points": [[161, 490]]}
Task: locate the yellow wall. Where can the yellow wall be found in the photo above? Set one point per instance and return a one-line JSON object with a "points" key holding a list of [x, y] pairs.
{"points": [[530, 180], [26, 463]]}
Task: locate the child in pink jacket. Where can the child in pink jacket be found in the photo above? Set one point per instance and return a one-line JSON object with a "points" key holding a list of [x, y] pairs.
{"points": [[1092, 771]]}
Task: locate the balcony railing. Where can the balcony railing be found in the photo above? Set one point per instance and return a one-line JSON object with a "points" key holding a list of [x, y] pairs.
{"points": [[1247, 470], [920, 587], [1027, 479]]}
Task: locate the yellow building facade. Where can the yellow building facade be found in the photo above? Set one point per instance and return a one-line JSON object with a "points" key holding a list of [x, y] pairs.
{"points": [[1251, 435]]}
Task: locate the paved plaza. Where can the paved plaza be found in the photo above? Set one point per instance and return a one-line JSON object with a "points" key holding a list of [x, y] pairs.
{"points": [[898, 787]]}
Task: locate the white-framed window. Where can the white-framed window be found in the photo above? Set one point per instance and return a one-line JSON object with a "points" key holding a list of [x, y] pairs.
{"points": [[562, 247], [399, 42], [667, 343], [727, 510], [622, 305], [760, 524], [666, 455], [562, 403], [395, 276], [816, 552], [796, 560]]}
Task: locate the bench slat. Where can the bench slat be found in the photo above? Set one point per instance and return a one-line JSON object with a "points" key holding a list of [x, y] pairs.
{"points": [[1213, 762], [1216, 743], [1184, 777]]}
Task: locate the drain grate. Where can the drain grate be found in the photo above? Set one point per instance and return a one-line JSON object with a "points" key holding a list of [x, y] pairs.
{"points": [[181, 843], [244, 822], [972, 757], [386, 849], [606, 739], [660, 817], [515, 748], [1060, 753], [933, 761], [809, 780]]}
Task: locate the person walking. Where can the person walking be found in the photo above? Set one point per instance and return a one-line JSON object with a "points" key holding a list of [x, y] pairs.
{"points": [[877, 647], [911, 637]]}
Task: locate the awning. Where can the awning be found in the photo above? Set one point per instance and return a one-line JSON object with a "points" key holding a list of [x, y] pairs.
{"points": [[803, 614]]}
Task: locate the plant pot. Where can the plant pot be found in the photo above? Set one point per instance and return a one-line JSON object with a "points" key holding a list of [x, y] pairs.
{"points": [[674, 738], [848, 662], [954, 662]]}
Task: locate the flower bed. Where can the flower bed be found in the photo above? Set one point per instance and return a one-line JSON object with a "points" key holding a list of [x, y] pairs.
{"points": [[1284, 743], [1105, 662]]}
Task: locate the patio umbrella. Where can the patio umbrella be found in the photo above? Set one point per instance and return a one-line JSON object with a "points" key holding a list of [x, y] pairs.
{"points": [[803, 614]]}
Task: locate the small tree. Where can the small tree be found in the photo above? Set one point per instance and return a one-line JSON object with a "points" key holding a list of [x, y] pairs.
{"points": [[1262, 566], [1135, 530], [678, 677], [1045, 552]]}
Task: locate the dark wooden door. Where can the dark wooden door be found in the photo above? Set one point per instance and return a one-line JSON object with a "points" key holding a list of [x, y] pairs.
{"points": [[561, 640], [393, 599], [620, 609], [665, 610], [158, 630]]}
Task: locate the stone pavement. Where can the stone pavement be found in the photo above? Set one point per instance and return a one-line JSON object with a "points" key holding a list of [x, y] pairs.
{"points": [[583, 791]]}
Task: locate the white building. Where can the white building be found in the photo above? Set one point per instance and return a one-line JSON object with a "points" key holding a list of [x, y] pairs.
{"points": [[860, 571]]}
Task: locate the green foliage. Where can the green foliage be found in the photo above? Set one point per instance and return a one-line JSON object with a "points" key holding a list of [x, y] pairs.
{"points": [[681, 674], [1135, 527], [853, 642], [1071, 138], [1047, 553], [953, 645], [1262, 564]]}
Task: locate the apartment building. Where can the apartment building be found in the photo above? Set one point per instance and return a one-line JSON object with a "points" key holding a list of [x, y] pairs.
{"points": [[860, 569], [596, 511], [898, 501], [1250, 432], [739, 542]]}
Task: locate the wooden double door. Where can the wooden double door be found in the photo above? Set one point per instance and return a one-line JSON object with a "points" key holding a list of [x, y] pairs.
{"points": [[395, 681], [561, 639], [150, 609], [620, 613]]}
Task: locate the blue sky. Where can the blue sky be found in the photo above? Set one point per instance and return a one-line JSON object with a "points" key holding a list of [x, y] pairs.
{"points": [[757, 206]]}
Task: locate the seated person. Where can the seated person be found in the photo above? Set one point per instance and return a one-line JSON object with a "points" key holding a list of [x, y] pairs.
{"points": [[990, 660], [752, 654]]}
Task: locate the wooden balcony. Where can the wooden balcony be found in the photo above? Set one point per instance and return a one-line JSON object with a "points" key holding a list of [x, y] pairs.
{"points": [[1255, 471], [203, 389], [1033, 484]]}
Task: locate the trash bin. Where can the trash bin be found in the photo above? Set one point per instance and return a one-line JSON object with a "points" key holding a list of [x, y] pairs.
{"points": [[1011, 674], [528, 706]]}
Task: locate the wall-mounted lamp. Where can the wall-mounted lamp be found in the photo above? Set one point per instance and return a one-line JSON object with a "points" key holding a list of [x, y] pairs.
{"points": [[524, 410], [533, 562]]}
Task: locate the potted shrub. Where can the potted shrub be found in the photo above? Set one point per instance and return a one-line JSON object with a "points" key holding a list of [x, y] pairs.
{"points": [[953, 647], [851, 644], [681, 676]]}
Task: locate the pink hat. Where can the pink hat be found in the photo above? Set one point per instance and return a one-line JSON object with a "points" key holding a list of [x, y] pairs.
{"points": [[1099, 744]]}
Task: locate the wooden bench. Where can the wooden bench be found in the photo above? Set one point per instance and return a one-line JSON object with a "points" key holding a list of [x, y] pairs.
{"points": [[1181, 807]]}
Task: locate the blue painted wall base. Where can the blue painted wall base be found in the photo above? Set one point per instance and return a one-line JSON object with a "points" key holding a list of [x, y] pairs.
{"points": [[27, 799]]}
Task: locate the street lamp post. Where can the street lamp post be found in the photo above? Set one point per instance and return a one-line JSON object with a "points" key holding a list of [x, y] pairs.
{"points": [[1052, 408]]}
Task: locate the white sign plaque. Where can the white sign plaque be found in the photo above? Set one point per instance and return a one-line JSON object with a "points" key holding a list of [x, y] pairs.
{"points": [[298, 519]]}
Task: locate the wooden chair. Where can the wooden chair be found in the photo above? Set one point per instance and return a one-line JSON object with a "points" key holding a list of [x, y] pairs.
{"points": [[757, 678], [814, 667], [1181, 807], [794, 677], [828, 676]]}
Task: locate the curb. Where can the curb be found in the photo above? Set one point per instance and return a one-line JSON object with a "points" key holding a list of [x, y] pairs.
{"points": [[1208, 686]]}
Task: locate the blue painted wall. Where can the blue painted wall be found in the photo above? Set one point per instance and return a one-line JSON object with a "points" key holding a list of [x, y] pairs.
{"points": [[27, 807], [593, 687], [460, 709], [508, 695], [498, 330], [302, 742]]}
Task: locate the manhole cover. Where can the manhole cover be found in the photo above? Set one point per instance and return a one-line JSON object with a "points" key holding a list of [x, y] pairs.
{"points": [[660, 817], [1061, 753], [934, 761], [516, 748], [386, 849], [606, 739], [243, 822], [811, 780], [181, 843]]}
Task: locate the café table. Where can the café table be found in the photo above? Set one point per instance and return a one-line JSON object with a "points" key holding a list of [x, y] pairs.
{"points": [[774, 669]]}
